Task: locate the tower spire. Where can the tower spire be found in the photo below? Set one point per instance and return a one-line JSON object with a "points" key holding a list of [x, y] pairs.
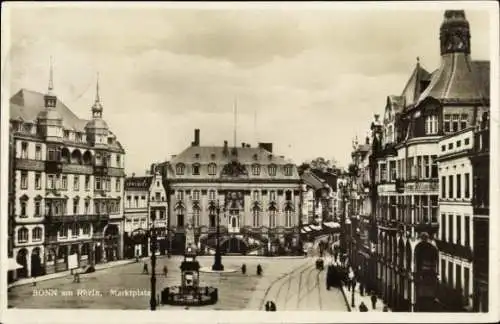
{"points": [[97, 96], [51, 77], [235, 120]]}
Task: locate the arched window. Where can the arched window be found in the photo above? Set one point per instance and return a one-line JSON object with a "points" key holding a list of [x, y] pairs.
{"points": [[196, 169], [22, 235], [288, 217], [256, 217], [179, 169], [255, 169], [272, 170], [37, 234], [256, 195], [212, 169], [272, 218]]}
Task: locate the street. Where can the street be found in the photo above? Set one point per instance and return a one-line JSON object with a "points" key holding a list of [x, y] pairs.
{"points": [[292, 283]]}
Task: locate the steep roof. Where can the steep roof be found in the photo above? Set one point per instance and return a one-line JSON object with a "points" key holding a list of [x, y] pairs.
{"points": [[412, 89], [459, 80], [312, 179], [138, 183], [328, 177], [25, 105]]}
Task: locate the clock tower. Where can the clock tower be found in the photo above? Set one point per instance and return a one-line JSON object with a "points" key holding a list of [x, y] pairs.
{"points": [[455, 33]]}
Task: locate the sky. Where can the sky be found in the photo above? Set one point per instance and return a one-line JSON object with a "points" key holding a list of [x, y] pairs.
{"points": [[307, 80]]}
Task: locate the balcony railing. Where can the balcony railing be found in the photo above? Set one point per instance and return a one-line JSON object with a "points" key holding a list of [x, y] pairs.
{"points": [[53, 166]]}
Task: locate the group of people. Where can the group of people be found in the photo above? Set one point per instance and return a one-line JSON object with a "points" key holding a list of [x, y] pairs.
{"points": [[244, 269], [145, 269]]}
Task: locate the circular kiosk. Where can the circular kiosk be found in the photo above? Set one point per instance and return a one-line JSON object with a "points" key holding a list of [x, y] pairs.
{"points": [[189, 293]]}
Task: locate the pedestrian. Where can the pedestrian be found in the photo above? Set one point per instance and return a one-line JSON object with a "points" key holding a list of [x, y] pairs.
{"points": [[244, 268], [34, 280], [385, 309], [145, 268], [165, 270], [259, 270], [362, 307], [374, 300], [268, 306], [273, 307]]}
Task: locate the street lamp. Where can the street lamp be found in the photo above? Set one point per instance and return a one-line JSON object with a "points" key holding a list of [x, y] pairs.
{"points": [[152, 234], [217, 266], [353, 286]]}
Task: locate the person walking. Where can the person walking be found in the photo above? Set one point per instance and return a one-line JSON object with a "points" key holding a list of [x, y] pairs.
{"points": [[165, 270], [145, 268], [374, 300]]}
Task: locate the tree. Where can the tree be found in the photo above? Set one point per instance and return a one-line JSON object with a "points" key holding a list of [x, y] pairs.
{"points": [[320, 163]]}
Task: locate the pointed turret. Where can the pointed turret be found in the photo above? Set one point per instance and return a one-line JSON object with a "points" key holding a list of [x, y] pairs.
{"points": [[455, 33], [49, 119], [97, 129]]}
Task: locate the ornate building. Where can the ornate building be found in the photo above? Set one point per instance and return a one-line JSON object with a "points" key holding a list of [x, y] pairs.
{"points": [[67, 178], [145, 206], [259, 193], [431, 105]]}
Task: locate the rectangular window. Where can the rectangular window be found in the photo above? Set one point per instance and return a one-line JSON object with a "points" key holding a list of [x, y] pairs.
{"points": [[76, 182], [467, 231], [38, 181], [38, 152], [64, 182], [451, 237], [443, 148], [443, 270], [447, 123], [419, 167], [434, 167], [180, 195], [98, 183], [455, 122], [24, 180], [450, 146], [467, 185], [38, 211], [459, 230], [443, 187], [118, 184], [450, 186], [272, 195], [118, 161], [427, 167], [211, 195], [450, 273], [75, 206], [459, 143], [459, 186], [443, 227], [463, 121], [50, 181], [158, 196], [87, 182], [466, 282], [180, 220], [466, 141], [24, 150]]}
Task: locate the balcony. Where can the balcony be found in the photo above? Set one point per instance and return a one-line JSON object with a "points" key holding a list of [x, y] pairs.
{"points": [[77, 168], [400, 186], [77, 218], [429, 228], [53, 166], [30, 165], [101, 170], [421, 185]]}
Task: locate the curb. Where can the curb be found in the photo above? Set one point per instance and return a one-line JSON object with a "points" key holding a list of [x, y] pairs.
{"points": [[345, 298], [63, 274]]}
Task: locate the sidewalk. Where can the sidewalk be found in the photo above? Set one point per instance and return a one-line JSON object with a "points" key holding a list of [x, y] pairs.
{"points": [[358, 299], [100, 266]]}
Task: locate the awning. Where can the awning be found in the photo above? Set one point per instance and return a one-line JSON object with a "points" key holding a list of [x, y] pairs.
{"points": [[331, 224], [315, 227], [13, 265]]}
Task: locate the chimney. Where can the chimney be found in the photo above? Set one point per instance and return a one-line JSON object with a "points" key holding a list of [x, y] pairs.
{"points": [[248, 145], [266, 146], [225, 151], [196, 141], [243, 144], [133, 174]]}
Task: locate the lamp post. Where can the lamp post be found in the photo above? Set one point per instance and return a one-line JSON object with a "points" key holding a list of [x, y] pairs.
{"points": [[153, 236], [217, 266]]}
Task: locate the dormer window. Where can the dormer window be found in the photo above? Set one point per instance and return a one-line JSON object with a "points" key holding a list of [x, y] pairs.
{"points": [[110, 140], [272, 170], [66, 134], [27, 128], [256, 169], [196, 169], [288, 170], [270, 156], [197, 156], [179, 169], [212, 169], [255, 157], [212, 156]]}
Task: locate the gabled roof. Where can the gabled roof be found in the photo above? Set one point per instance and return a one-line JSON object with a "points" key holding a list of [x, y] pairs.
{"points": [[25, 105], [412, 90], [312, 180], [459, 79]]}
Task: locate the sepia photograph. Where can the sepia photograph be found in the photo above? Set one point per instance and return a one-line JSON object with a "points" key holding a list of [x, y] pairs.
{"points": [[260, 157]]}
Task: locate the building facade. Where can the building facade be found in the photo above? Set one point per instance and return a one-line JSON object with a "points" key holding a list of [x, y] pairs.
{"points": [[455, 240], [67, 178], [432, 105], [258, 193], [145, 207]]}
